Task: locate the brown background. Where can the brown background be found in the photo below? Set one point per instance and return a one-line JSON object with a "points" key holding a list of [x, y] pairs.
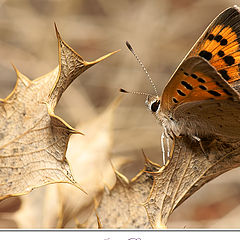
{"points": [[161, 32]]}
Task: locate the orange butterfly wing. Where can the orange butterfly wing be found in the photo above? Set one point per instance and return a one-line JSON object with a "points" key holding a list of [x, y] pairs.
{"points": [[219, 44], [211, 68], [194, 81]]}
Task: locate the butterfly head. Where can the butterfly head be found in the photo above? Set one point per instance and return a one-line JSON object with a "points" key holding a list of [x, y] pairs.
{"points": [[153, 103]]}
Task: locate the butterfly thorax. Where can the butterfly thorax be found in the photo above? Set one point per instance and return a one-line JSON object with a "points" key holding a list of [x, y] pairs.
{"points": [[174, 125]]}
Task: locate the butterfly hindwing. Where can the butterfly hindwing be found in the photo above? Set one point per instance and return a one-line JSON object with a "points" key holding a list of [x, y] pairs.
{"points": [[208, 117]]}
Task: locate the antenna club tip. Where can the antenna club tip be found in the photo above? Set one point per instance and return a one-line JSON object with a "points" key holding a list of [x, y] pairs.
{"points": [[129, 46], [145, 70], [122, 90]]}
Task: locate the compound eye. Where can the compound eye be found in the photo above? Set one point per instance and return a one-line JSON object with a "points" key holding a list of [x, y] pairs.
{"points": [[155, 106]]}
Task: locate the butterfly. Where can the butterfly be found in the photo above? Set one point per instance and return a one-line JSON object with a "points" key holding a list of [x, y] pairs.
{"points": [[202, 96]]}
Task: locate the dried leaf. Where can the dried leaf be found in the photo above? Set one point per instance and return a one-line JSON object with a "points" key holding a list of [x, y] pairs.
{"points": [[33, 140], [186, 172], [122, 207], [60, 205]]}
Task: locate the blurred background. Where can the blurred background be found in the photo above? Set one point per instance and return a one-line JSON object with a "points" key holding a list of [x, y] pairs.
{"points": [[161, 32]]}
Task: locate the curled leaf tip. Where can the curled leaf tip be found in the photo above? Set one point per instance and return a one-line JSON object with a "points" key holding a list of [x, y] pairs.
{"points": [[101, 58], [74, 131], [148, 162], [15, 69], [56, 30], [121, 177]]}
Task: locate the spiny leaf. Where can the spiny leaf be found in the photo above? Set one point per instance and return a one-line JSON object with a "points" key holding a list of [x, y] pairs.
{"points": [[71, 65], [33, 140], [122, 207], [186, 172]]}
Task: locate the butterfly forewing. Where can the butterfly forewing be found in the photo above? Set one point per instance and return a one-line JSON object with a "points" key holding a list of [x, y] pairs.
{"points": [[196, 80], [219, 44]]}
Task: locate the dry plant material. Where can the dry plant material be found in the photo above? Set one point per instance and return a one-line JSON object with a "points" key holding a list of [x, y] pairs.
{"points": [[188, 171], [60, 205], [33, 140], [122, 207], [148, 200]]}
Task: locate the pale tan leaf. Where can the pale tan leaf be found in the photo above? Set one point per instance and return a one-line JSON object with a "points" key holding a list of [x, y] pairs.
{"points": [[122, 207], [29, 216], [186, 172], [7, 208], [91, 162], [39, 209], [33, 140]]}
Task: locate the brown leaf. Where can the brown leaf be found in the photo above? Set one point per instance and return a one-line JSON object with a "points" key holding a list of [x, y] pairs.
{"points": [[122, 207], [186, 172], [33, 140]]}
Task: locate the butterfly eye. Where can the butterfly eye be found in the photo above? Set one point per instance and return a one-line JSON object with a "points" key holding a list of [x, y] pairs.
{"points": [[155, 106]]}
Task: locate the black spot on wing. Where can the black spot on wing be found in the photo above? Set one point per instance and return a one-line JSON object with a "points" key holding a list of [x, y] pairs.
{"points": [[194, 76], [224, 74], [214, 93], [210, 37], [223, 42], [206, 55], [202, 87], [187, 85], [218, 38], [219, 84], [229, 60], [201, 80], [175, 100], [227, 92], [181, 93], [221, 53]]}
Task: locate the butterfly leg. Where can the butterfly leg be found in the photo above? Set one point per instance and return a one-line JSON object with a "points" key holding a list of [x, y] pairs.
{"points": [[164, 136], [201, 146], [163, 147], [168, 147]]}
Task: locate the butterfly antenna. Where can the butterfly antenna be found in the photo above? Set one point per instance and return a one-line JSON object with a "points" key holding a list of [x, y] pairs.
{"points": [[139, 93], [143, 67]]}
